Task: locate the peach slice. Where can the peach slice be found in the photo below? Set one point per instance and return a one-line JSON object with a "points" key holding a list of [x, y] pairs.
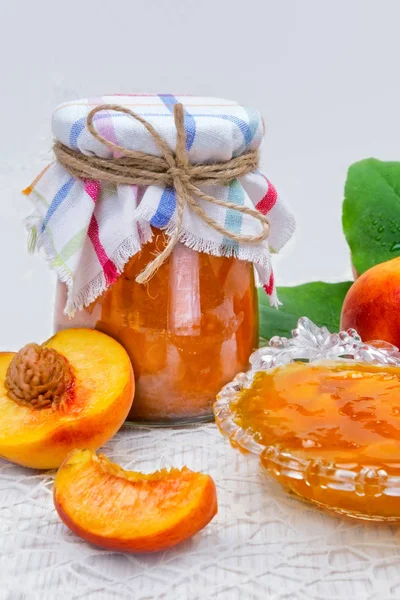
{"points": [[74, 391], [128, 511]]}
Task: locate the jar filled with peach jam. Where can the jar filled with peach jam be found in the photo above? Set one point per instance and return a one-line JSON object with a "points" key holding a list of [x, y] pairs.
{"points": [[155, 217], [188, 331]]}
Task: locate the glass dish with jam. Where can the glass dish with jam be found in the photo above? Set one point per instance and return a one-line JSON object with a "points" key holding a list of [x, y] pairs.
{"points": [[322, 413]]}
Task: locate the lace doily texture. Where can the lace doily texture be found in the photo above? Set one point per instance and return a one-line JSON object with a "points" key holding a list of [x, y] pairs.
{"points": [[263, 544]]}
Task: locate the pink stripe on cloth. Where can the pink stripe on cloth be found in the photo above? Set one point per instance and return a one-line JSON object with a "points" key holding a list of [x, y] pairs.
{"points": [[264, 206], [92, 188], [269, 287], [269, 200], [105, 125]]}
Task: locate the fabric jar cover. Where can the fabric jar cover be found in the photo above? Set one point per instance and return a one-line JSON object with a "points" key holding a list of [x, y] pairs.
{"points": [[89, 229]]}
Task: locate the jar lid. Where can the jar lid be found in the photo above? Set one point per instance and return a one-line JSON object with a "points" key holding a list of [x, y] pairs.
{"points": [[90, 225], [216, 129]]}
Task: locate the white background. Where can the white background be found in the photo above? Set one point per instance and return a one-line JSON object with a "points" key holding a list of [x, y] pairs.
{"points": [[324, 74]]}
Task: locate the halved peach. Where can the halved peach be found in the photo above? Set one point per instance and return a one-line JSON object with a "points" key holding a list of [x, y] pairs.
{"points": [[74, 391], [128, 511]]}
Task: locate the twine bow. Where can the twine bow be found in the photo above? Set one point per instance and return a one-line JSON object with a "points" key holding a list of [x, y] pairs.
{"points": [[170, 169]]}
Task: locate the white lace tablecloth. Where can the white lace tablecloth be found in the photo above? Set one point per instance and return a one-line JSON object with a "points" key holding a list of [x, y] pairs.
{"points": [[263, 544]]}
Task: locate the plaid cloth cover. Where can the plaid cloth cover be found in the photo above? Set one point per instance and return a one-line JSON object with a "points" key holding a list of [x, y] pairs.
{"points": [[89, 230]]}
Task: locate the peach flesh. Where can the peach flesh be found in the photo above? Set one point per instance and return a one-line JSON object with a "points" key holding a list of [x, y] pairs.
{"points": [[94, 408], [129, 511]]}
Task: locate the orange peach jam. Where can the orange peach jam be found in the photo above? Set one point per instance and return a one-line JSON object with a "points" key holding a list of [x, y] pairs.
{"points": [[188, 331], [347, 415]]}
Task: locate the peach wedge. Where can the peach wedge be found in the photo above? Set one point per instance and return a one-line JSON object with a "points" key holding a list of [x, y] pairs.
{"points": [[128, 511], [74, 391]]}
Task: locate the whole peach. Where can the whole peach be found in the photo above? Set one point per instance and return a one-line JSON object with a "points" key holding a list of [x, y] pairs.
{"points": [[372, 304]]}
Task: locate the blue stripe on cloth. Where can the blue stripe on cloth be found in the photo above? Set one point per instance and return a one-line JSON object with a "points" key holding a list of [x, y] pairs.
{"points": [[243, 126], [254, 121], [57, 200], [167, 204], [190, 123], [233, 219], [169, 100], [165, 209], [247, 129], [75, 132]]}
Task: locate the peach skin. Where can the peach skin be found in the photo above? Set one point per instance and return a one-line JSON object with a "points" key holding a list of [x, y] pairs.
{"points": [[372, 304]]}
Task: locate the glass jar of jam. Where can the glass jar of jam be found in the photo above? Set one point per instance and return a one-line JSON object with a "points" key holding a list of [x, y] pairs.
{"points": [[188, 331], [156, 218]]}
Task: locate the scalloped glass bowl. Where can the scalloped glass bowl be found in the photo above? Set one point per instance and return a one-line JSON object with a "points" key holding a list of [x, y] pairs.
{"points": [[364, 491]]}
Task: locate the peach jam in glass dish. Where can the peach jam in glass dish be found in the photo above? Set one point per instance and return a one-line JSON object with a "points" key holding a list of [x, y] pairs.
{"points": [[322, 412]]}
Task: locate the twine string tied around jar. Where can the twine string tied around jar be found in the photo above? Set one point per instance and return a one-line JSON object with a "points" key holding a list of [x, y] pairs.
{"points": [[172, 169]]}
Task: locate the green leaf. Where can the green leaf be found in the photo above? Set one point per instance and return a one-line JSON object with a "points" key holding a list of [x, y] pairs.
{"points": [[321, 302], [371, 212]]}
